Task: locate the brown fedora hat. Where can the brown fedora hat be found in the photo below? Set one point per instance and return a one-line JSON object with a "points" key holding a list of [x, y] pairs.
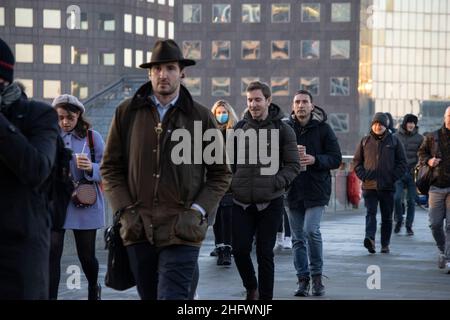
{"points": [[166, 51]]}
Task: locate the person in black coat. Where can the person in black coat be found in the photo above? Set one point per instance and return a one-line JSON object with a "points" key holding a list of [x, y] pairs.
{"points": [[28, 133], [310, 191], [379, 161]]}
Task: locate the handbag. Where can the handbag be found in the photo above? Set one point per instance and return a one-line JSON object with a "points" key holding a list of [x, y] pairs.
{"points": [[118, 273], [84, 194], [424, 178]]}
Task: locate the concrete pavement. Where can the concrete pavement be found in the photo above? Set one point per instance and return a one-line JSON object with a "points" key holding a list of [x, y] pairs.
{"points": [[408, 272]]}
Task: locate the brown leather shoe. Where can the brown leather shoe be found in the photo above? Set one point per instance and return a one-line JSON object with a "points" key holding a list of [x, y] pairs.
{"points": [[252, 294]]}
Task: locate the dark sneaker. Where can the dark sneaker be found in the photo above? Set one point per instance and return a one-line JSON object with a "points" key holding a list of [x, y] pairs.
{"points": [[385, 249], [318, 289], [215, 252], [224, 258], [409, 231], [397, 227], [303, 287], [369, 244]]}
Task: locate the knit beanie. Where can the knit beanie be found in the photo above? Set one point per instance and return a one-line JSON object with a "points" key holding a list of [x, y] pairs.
{"points": [[409, 118], [381, 118], [6, 62]]}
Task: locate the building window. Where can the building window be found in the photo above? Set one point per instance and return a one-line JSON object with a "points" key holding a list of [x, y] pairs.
{"points": [[339, 122], [52, 89], [194, 85], [221, 50], [139, 57], [28, 84], [52, 19], [106, 22], [139, 25], [2, 16], [192, 13], [149, 56], [221, 13], [340, 49], [162, 2], [250, 50], [281, 12], [280, 86], [79, 89], [79, 55], [128, 23], [161, 29], [310, 49], [107, 57], [171, 31], [340, 12], [151, 27], [220, 86], [52, 54], [24, 52], [245, 81], [280, 49], [251, 13], [24, 17], [170, 3], [192, 50], [128, 57], [310, 84], [84, 21], [310, 12], [340, 86]]}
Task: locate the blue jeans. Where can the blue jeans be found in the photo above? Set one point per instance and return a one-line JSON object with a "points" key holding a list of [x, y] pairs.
{"points": [[439, 211], [407, 182], [306, 239], [386, 200], [166, 273]]}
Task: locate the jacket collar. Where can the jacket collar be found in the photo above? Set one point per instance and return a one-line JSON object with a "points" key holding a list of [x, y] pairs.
{"points": [[318, 115]]}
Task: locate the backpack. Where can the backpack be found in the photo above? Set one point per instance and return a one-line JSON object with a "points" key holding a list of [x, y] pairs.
{"points": [[60, 185]]}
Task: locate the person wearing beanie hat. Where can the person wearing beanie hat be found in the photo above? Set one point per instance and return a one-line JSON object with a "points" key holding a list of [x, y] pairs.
{"points": [[28, 139], [390, 125], [409, 136], [380, 118], [379, 161], [6, 62]]}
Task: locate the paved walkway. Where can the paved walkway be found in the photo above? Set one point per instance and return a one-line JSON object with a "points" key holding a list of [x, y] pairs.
{"points": [[408, 272]]}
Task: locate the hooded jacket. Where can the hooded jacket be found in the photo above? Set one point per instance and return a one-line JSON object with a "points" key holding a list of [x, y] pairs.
{"points": [[249, 185], [313, 186]]}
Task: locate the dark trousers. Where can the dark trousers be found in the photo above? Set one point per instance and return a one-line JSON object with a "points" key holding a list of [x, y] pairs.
{"points": [[386, 200], [165, 273], [263, 224], [284, 225], [85, 242], [222, 225]]}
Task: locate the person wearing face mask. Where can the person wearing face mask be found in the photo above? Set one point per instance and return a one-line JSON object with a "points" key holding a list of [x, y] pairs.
{"points": [[226, 119], [28, 139], [379, 161]]}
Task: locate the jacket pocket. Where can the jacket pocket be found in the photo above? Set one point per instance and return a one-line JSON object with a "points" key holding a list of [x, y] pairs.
{"points": [[132, 227], [191, 226]]}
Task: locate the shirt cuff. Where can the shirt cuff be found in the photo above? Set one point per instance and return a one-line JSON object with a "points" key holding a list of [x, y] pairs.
{"points": [[198, 208]]}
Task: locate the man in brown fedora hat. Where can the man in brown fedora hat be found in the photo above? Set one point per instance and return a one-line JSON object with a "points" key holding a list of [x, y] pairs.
{"points": [[163, 204]]}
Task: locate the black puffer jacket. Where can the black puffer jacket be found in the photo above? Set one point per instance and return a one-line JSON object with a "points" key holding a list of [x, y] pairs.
{"points": [[313, 186], [248, 184], [411, 142], [380, 160]]}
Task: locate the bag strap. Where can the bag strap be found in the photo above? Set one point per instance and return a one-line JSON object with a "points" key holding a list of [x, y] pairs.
{"points": [[91, 145]]}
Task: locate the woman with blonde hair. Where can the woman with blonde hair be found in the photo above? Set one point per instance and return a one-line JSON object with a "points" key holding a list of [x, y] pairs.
{"points": [[226, 119]]}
